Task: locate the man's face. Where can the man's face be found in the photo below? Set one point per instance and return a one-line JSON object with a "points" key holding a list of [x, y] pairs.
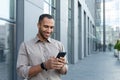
{"points": [[46, 28]]}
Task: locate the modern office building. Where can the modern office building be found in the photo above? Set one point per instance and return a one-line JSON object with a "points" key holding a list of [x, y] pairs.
{"points": [[74, 27]]}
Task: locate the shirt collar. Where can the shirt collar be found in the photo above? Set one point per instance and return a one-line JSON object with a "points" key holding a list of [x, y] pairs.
{"points": [[38, 40]]}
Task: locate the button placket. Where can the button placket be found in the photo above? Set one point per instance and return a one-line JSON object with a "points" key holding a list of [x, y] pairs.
{"points": [[45, 51]]}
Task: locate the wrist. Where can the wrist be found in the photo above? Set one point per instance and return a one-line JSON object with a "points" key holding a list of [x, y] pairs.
{"points": [[42, 65]]}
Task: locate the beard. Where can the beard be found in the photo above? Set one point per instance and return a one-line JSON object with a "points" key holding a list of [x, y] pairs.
{"points": [[41, 34]]}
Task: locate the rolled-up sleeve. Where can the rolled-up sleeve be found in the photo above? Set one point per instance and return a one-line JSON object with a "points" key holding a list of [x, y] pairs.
{"points": [[23, 62]]}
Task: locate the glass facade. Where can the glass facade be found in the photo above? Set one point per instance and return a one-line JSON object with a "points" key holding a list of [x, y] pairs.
{"points": [[7, 42]]}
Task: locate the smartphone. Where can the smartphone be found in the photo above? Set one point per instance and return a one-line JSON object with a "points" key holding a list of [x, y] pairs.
{"points": [[61, 54]]}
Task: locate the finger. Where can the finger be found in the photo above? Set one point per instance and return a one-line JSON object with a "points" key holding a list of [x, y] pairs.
{"points": [[62, 60], [57, 63], [57, 66]]}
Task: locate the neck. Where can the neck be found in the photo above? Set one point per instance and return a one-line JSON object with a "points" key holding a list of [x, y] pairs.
{"points": [[41, 38]]}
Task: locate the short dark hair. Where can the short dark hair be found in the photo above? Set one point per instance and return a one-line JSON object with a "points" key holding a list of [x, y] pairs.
{"points": [[43, 16]]}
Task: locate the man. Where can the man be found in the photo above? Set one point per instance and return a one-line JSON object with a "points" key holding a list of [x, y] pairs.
{"points": [[37, 57]]}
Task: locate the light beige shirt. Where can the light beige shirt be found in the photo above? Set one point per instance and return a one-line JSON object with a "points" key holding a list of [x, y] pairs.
{"points": [[35, 52]]}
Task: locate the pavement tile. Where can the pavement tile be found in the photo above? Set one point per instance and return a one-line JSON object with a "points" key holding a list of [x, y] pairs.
{"points": [[97, 66]]}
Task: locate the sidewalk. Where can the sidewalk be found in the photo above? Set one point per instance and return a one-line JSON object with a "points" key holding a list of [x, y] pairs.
{"points": [[97, 66]]}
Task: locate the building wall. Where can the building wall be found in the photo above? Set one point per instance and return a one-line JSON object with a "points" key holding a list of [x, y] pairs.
{"points": [[86, 28], [75, 31], [86, 35], [64, 22], [91, 5], [32, 11]]}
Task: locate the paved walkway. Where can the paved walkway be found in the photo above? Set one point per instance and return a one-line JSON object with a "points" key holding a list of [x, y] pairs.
{"points": [[97, 66]]}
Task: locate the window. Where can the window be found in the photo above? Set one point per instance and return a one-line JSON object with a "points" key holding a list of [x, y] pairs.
{"points": [[7, 26]]}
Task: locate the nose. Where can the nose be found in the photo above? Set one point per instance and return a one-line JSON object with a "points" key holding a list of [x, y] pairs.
{"points": [[49, 30]]}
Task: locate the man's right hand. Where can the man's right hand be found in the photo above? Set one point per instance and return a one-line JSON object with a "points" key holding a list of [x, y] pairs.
{"points": [[53, 63]]}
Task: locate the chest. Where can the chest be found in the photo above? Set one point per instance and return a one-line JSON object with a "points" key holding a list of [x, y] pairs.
{"points": [[41, 52]]}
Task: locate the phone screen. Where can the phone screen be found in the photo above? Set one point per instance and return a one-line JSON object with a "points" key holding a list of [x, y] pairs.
{"points": [[61, 54]]}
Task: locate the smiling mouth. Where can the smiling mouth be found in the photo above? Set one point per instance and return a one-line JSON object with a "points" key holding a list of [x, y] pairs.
{"points": [[47, 34]]}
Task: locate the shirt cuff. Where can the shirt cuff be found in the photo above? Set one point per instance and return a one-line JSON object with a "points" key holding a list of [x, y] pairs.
{"points": [[24, 71]]}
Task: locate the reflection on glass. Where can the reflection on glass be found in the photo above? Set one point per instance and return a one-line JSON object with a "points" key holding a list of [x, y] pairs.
{"points": [[6, 50], [7, 25]]}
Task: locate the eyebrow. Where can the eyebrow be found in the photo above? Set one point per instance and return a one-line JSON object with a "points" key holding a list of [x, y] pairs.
{"points": [[49, 26]]}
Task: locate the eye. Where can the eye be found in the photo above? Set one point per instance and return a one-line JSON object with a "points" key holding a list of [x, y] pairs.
{"points": [[51, 27], [46, 26]]}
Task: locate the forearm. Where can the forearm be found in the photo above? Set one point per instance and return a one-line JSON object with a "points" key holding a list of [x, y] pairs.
{"points": [[34, 70]]}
